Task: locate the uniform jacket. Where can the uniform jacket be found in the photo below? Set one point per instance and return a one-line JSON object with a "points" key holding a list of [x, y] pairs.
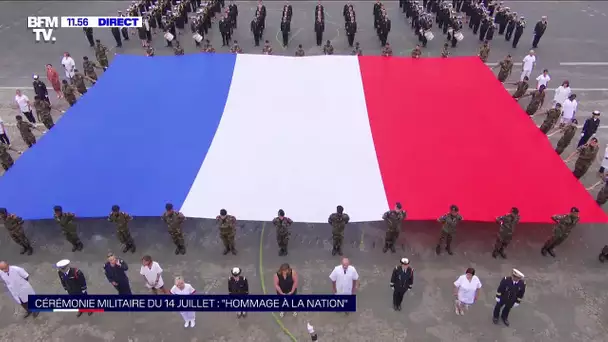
{"points": [[394, 219], [565, 224], [507, 224], [116, 274], [402, 280], [282, 225], [73, 281], [591, 126], [238, 287], [509, 292]]}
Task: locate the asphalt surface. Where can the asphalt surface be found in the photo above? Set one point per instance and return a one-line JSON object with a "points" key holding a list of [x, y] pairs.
{"points": [[566, 297]]}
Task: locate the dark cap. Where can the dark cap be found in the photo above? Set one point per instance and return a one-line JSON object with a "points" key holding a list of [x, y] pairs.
{"points": [[515, 211], [340, 209], [574, 210], [398, 205], [454, 207], [223, 212], [3, 211], [115, 208], [57, 208], [281, 212], [168, 206]]}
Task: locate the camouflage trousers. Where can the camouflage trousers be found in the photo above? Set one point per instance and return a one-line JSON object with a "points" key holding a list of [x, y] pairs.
{"points": [[72, 237], [227, 239], [445, 237], [501, 243], [580, 168], [124, 236], [338, 238], [103, 62], [546, 127], [283, 240], [20, 239], [7, 164], [92, 75], [559, 149], [30, 140], [391, 237], [553, 242], [71, 99], [177, 236], [47, 121]]}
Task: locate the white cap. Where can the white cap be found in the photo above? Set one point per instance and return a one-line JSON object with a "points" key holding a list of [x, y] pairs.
{"points": [[62, 263], [35, 77], [405, 261], [311, 329], [517, 273], [235, 271]]}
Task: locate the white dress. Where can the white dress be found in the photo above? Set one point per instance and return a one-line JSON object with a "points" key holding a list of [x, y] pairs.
{"points": [[467, 289], [188, 290], [16, 283], [561, 94], [69, 66]]}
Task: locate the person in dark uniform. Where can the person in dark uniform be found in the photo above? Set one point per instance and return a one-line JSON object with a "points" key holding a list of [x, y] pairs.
{"points": [[589, 128], [238, 286], [40, 89], [116, 273], [256, 29], [88, 31], [123, 30], [285, 29], [224, 25], [72, 280], [319, 29], [233, 13], [604, 254], [401, 281], [539, 30], [286, 283], [116, 34], [519, 30], [510, 292], [511, 22]]}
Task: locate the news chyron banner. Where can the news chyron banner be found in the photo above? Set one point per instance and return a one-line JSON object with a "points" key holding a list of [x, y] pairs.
{"points": [[43, 27], [185, 303]]}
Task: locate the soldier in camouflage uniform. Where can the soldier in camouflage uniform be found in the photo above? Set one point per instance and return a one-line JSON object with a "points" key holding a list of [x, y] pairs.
{"points": [[68, 227], [6, 159], [300, 51], [357, 50], [387, 51], [328, 49], [602, 195], [236, 48], [227, 225], [586, 156], [43, 110], [394, 221], [450, 222], [506, 67], [14, 225], [505, 234], [416, 52], [267, 50], [445, 52], [79, 83], [338, 222], [569, 132], [561, 231], [522, 88], [282, 223], [69, 93], [174, 220], [101, 54], [553, 115], [89, 68], [122, 219], [25, 128], [178, 49], [484, 51]]}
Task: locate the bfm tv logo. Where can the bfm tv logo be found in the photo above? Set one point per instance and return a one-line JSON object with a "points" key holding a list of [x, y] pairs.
{"points": [[43, 27]]}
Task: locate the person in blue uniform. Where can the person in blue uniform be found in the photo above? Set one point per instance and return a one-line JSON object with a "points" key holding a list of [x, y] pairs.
{"points": [[238, 286], [116, 272], [72, 280], [509, 295], [402, 280]]}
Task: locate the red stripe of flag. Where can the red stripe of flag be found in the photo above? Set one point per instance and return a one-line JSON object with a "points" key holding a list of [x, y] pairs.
{"points": [[90, 310]]}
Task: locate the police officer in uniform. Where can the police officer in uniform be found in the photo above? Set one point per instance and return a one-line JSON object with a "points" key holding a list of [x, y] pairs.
{"points": [[510, 292], [394, 221], [227, 226], [282, 224], [40, 89], [14, 225], [338, 222], [319, 29], [256, 29], [449, 223], [238, 286], [121, 220], [88, 31], [561, 231], [72, 280], [174, 220], [519, 30], [285, 29], [68, 227], [505, 234], [351, 29], [401, 281]]}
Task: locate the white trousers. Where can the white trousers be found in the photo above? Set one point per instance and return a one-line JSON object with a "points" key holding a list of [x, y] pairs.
{"points": [[188, 316], [525, 73]]}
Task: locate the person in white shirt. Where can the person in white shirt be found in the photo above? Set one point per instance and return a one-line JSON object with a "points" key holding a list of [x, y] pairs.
{"points": [[152, 273], [3, 136], [68, 65], [17, 282], [24, 105], [569, 108], [184, 289], [562, 93], [528, 64], [345, 279], [466, 291], [543, 79]]}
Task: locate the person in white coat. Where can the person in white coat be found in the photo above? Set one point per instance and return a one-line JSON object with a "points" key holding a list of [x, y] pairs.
{"points": [[562, 93], [17, 282], [68, 65], [184, 289], [466, 291], [344, 278]]}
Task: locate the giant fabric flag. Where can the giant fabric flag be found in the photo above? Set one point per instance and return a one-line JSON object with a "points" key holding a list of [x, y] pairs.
{"points": [[254, 134]]}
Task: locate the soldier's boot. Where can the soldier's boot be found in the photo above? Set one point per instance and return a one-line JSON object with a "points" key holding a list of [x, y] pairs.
{"points": [[233, 249], [285, 250], [30, 251], [438, 249], [132, 247], [334, 251], [80, 245], [551, 252], [126, 249], [545, 248], [494, 253], [385, 249], [502, 253], [602, 258], [27, 312], [75, 247], [339, 249], [448, 248], [24, 249], [177, 249], [226, 250], [182, 250], [393, 250]]}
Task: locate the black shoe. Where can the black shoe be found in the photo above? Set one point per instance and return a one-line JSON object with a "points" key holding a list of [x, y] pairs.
{"points": [[494, 255], [398, 307], [133, 248], [502, 254], [281, 252], [126, 249], [602, 258], [543, 252], [80, 246], [23, 250], [393, 250], [438, 250], [226, 251], [30, 250], [90, 314], [340, 251], [27, 314], [79, 314], [182, 250], [74, 248], [385, 249], [495, 320], [333, 252], [505, 321], [449, 250], [285, 252], [551, 253], [233, 250], [395, 307], [177, 250]]}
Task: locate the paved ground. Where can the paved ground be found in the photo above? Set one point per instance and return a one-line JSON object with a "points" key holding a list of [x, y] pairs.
{"points": [[564, 302]]}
